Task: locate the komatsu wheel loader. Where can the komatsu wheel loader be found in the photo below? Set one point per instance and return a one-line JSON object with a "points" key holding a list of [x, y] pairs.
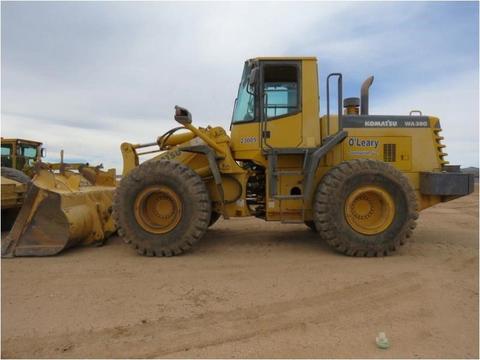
{"points": [[357, 179]]}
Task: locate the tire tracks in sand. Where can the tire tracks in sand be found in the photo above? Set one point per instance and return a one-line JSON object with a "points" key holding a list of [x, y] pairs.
{"points": [[165, 336]]}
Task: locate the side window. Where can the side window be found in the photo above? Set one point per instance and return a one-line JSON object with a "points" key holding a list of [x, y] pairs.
{"points": [[6, 150], [7, 155], [280, 88]]}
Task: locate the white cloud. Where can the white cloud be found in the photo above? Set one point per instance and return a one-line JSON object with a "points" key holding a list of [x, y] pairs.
{"points": [[87, 76], [86, 145], [454, 100]]}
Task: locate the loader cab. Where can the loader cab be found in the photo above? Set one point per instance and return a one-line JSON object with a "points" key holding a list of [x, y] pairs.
{"points": [[276, 106], [20, 153]]}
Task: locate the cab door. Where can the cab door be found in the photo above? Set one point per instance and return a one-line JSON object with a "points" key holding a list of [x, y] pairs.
{"points": [[280, 104]]}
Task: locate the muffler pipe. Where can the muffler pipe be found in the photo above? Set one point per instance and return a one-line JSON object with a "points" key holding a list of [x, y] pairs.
{"points": [[364, 95]]}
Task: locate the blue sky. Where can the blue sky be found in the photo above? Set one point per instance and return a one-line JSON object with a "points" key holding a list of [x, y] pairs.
{"points": [[86, 76]]}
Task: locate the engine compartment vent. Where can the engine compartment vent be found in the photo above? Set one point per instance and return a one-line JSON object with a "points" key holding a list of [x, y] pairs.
{"points": [[389, 152]]}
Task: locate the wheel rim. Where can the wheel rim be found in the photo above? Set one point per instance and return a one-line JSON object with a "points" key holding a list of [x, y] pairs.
{"points": [[369, 210], [158, 209]]}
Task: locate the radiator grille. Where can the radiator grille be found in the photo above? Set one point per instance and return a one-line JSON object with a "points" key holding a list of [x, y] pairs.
{"points": [[389, 152]]}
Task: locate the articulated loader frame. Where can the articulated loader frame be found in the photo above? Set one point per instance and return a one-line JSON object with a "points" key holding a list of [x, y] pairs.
{"points": [[220, 167]]}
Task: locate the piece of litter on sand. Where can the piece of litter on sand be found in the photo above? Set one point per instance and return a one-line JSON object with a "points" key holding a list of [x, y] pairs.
{"points": [[382, 341]]}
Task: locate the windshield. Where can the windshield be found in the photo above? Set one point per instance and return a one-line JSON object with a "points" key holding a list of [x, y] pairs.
{"points": [[29, 151], [244, 109]]}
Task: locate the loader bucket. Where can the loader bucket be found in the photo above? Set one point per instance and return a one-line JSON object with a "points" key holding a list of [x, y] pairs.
{"points": [[59, 212]]}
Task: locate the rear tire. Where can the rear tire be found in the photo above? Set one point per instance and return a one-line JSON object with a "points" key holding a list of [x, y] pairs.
{"points": [[162, 208], [365, 208]]}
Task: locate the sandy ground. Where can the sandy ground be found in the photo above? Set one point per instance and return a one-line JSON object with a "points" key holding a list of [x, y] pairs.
{"points": [[252, 289]]}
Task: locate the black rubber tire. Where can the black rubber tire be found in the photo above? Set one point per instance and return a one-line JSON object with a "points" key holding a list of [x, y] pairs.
{"points": [[10, 215], [329, 205], [14, 174], [213, 218], [8, 218], [195, 200], [311, 225]]}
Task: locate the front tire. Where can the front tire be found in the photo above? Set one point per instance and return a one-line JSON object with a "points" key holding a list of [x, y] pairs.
{"points": [[10, 215], [311, 225], [365, 208], [213, 218], [8, 218], [162, 208]]}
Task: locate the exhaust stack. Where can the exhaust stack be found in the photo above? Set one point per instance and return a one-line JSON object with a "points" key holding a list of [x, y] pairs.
{"points": [[364, 95]]}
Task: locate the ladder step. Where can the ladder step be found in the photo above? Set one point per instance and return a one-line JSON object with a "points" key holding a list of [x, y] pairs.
{"points": [[288, 197], [292, 221], [288, 172]]}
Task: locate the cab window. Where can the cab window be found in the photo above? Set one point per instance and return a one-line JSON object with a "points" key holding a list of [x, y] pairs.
{"points": [[280, 89], [6, 150], [6, 155], [29, 151]]}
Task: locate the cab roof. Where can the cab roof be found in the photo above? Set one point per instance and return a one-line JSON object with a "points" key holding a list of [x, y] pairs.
{"points": [[10, 140], [277, 58]]}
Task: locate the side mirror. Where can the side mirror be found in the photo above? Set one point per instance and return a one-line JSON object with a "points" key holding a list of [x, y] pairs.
{"points": [[43, 152], [182, 115], [252, 79]]}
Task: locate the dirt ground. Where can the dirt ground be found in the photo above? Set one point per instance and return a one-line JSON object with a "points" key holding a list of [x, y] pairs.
{"points": [[252, 289]]}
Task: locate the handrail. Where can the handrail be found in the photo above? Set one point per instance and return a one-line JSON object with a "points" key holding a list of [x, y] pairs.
{"points": [[339, 98]]}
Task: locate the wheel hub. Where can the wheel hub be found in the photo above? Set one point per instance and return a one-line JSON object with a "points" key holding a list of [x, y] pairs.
{"points": [[369, 210], [158, 209]]}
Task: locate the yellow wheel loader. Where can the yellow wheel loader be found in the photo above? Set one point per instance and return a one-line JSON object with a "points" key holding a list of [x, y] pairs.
{"points": [[14, 184], [62, 206], [61, 210], [20, 154], [17, 158], [357, 179]]}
